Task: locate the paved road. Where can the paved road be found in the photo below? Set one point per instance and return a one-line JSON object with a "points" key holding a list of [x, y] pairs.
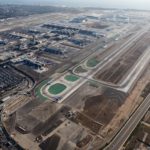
{"points": [[130, 125]]}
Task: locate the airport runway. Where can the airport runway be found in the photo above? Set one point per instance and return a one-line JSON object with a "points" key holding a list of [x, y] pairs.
{"points": [[133, 75], [83, 80], [106, 61]]}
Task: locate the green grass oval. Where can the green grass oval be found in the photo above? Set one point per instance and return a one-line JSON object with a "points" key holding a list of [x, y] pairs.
{"points": [[57, 88], [92, 62], [37, 90], [71, 78]]}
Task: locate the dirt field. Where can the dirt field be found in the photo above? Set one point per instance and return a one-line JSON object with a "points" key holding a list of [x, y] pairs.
{"points": [[99, 107], [96, 106], [115, 73], [50, 143], [36, 117]]}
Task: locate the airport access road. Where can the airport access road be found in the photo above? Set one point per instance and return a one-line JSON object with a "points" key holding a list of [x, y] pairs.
{"points": [[129, 126]]}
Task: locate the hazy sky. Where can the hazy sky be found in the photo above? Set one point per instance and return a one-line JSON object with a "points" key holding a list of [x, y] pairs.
{"points": [[137, 4]]}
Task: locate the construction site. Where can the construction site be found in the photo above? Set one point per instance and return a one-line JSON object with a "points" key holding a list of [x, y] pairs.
{"points": [[75, 81]]}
